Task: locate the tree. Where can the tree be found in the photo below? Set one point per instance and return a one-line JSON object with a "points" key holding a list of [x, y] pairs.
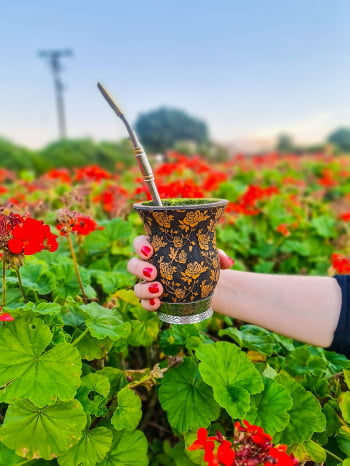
{"points": [[284, 143], [341, 139], [161, 129]]}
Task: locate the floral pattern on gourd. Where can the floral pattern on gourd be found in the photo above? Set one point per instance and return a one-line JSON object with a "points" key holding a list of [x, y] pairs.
{"points": [[185, 254]]}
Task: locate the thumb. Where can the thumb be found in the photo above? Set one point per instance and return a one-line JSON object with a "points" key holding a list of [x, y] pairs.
{"points": [[225, 261]]}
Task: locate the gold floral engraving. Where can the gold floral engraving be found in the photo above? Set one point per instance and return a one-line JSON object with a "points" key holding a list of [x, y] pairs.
{"points": [[163, 219], [158, 242], [192, 219], [203, 240]]}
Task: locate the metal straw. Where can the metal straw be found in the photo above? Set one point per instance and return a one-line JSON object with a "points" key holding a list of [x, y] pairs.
{"points": [[139, 152]]}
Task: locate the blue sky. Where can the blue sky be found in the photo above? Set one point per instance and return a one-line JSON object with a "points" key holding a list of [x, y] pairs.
{"points": [[249, 68]]}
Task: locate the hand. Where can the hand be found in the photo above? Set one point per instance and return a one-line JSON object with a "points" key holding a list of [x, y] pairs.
{"points": [[149, 291]]}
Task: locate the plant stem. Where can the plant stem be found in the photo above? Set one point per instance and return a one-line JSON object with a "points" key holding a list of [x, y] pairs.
{"points": [[332, 454], [3, 282], [80, 337], [18, 275], [76, 268]]}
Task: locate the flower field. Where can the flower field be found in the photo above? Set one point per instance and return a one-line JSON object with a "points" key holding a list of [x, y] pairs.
{"points": [[88, 377]]}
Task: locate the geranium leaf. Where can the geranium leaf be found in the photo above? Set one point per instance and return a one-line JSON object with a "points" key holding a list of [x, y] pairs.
{"points": [[128, 413], [103, 322], [186, 398], [306, 416], [128, 449], [93, 393], [231, 374], [91, 348], [344, 404], [91, 448], [301, 362], [145, 331], [7, 456], [46, 432], [343, 440], [309, 451], [270, 408], [30, 372]]}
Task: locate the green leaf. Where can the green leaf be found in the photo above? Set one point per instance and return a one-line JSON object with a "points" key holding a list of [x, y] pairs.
{"points": [[128, 412], [290, 246], [116, 378], [127, 296], [66, 280], [93, 393], [46, 432], [306, 416], [36, 277], [179, 336], [324, 225], [343, 440], [301, 362], [344, 404], [48, 308], [115, 231], [103, 322], [186, 398], [112, 281], [254, 338], [145, 330], [231, 374], [128, 449], [8, 457], [91, 348], [91, 448], [269, 408], [30, 372], [347, 377], [309, 451]]}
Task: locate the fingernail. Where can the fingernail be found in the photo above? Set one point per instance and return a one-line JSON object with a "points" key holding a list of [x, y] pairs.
{"points": [[147, 272], [152, 302], [153, 288], [232, 261], [146, 250]]}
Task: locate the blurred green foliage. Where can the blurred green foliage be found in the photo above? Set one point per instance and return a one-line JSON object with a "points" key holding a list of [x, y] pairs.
{"points": [[67, 153]]}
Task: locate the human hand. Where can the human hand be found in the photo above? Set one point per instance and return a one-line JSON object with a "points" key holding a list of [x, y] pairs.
{"points": [[149, 290]]}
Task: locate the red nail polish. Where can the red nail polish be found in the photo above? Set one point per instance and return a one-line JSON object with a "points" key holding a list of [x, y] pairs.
{"points": [[152, 302], [147, 272], [232, 261], [146, 250], [153, 288]]}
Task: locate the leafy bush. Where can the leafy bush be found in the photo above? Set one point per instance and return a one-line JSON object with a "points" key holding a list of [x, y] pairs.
{"points": [[88, 377]]}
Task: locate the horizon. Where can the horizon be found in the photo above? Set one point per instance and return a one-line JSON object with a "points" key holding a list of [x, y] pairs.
{"points": [[249, 71]]}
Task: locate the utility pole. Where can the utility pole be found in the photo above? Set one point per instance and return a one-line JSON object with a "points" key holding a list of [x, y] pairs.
{"points": [[53, 57]]}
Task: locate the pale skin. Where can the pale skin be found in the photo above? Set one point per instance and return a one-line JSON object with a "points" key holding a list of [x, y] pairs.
{"points": [[305, 308]]}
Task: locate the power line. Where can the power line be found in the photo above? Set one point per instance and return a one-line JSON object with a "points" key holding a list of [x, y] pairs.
{"points": [[53, 57]]}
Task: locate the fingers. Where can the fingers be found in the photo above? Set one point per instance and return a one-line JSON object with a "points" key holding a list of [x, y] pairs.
{"points": [[143, 247], [142, 269], [147, 290], [225, 261]]}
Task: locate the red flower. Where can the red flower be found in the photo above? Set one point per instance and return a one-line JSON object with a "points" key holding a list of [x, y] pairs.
{"points": [[68, 220], [203, 441], [225, 454], [91, 173], [31, 236], [283, 229], [345, 216], [5, 317], [340, 263], [283, 459], [61, 174]]}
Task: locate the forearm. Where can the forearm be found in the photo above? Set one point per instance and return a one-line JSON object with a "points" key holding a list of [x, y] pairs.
{"points": [[302, 307]]}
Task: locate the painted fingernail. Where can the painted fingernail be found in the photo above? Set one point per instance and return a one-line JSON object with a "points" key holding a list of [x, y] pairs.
{"points": [[153, 288], [152, 302], [147, 272], [232, 261], [146, 250]]}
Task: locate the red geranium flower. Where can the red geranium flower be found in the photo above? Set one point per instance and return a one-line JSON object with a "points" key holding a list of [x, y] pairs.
{"points": [[71, 221], [31, 236], [340, 263]]}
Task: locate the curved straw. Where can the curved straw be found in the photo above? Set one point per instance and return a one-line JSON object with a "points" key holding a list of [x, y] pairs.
{"points": [[139, 152]]}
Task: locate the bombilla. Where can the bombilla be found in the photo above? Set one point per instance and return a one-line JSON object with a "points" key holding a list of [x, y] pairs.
{"points": [[139, 152]]}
